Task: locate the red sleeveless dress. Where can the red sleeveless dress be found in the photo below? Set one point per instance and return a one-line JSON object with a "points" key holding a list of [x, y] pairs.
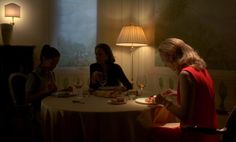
{"points": [[204, 113]]}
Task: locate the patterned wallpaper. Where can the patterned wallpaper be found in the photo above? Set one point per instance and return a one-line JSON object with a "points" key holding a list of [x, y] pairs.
{"points": [[207, 25]]}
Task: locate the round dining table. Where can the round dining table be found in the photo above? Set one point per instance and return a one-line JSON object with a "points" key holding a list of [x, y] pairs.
{"points": [[94, 119]]}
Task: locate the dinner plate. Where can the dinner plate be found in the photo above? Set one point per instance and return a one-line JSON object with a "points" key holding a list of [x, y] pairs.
{"points": [[63, 94], [142, 101]]}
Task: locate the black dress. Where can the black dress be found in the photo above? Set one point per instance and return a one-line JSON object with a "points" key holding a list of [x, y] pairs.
{"points": [[115, 76]]}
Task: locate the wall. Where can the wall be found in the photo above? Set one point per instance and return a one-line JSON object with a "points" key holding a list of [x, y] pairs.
{"points": [[208, 26], [137, 12], [32, 27]]}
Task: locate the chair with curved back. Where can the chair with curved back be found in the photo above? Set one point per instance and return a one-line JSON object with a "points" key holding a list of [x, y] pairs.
{"points": [[17, 83], [22, 111]]}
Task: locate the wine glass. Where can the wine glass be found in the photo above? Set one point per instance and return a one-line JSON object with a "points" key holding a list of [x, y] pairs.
{"points": [[103, 79], [141, 83], [78, 86], [87, 90]]}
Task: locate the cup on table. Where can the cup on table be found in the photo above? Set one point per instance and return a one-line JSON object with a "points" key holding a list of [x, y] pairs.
{"points": [[132, 94]]}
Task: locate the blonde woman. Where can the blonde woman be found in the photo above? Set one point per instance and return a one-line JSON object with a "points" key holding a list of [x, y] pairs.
{"points": [[195, 92]]}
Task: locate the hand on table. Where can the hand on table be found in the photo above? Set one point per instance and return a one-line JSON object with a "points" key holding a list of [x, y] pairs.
{"points": [[96, 76], [160, 99], [118, 90]]}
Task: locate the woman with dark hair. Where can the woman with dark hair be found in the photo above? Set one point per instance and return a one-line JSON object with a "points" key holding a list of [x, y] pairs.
{"points": [[106, 68], [41, 82]]}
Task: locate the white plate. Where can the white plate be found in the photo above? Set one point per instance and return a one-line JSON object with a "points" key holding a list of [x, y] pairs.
{"points": [[107, 88], [142, 101], [63, 94]]}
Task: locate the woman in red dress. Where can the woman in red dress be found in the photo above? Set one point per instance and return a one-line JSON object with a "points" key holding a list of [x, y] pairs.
{"points": [[195, 93]]}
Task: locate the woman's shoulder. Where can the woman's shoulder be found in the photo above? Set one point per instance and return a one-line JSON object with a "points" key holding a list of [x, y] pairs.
{"points": [[115, 65], [184, 73], [94, 65]]}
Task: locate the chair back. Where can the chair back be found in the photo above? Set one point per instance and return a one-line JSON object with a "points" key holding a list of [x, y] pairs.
{"points": [[17, 83], [230, 133]]}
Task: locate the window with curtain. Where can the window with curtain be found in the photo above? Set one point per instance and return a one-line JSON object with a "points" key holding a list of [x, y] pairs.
{"points": [[74, 30]]}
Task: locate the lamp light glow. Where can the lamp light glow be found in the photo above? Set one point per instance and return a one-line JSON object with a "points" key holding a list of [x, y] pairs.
{"points": [[131, 36], [12, 10]]}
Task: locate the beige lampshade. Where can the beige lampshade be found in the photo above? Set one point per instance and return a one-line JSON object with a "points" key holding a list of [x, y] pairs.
{"points": [[12, 10], [131, 36]]}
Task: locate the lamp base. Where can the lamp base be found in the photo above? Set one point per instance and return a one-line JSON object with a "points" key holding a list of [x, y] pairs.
{"points": [[6, 30]]}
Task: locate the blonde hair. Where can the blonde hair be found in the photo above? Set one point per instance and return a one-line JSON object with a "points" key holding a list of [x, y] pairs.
{"points": [[182, 54]]}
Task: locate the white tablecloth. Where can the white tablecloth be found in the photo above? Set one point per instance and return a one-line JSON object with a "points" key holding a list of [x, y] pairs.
{"points": [[94, 121]]}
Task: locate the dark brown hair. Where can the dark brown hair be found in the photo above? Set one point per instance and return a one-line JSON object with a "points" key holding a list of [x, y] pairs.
{"points": [[49, 52], [107, 49]]}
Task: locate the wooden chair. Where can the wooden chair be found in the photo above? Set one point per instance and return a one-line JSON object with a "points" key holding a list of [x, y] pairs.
{"points": [[17, 83], [22, 114]]}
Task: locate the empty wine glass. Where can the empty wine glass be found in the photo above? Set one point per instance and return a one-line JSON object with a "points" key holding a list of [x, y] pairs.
{"points": [[103, 79], [87, 90], [141, 83], [78, 86]]}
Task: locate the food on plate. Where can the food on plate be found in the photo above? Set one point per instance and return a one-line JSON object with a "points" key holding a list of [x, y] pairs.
{"points": [[146, 100], [150, 99], [106, 93], [117, 101]]}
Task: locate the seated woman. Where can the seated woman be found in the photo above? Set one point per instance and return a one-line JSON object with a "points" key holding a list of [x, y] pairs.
{"points": [[195, 94], [105, 72], [41, 81]]}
